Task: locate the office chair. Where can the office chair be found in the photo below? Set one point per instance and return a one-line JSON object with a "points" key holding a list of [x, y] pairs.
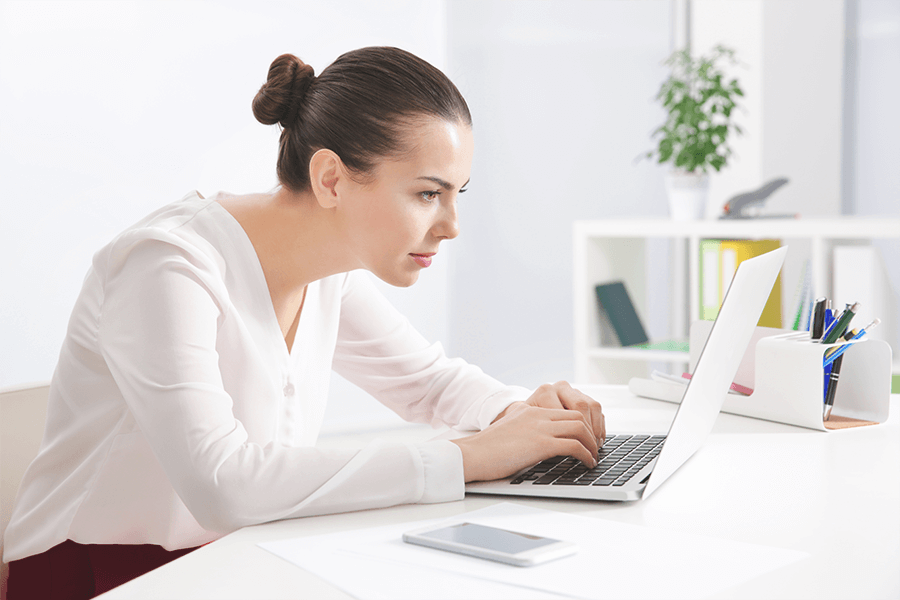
{"points": [[23, 411]]}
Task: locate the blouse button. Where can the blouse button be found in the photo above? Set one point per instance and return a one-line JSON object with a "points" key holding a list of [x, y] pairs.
{"points": [[289, 389]]}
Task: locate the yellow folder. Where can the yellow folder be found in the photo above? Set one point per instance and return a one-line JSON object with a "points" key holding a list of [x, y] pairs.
{"points": [[732, 253]]}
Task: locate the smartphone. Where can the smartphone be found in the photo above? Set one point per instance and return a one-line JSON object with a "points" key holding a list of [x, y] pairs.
{"points": [[511, 547]]}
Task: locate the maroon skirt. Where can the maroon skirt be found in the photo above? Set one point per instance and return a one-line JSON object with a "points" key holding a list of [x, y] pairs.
{"points": [[72, 571]]}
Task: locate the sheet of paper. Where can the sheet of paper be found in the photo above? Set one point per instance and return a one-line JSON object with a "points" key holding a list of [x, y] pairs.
{"points": [[375, 578], [615, 560]]}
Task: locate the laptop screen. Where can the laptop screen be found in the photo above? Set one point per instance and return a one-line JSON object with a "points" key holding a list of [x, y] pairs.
{"points": [[718, 363]]}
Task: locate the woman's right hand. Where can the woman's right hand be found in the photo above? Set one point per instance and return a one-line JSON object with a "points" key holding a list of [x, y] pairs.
{"points": [[525, 436]]}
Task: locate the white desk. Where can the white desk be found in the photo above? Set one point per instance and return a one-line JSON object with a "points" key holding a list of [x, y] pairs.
{"points": [[834, 495]]}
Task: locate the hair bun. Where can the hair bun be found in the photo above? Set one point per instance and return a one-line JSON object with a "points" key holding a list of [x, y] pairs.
{"points": [[280, 97]]}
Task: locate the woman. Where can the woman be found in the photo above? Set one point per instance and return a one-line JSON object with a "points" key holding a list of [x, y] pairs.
{"points": [[192, 381]]}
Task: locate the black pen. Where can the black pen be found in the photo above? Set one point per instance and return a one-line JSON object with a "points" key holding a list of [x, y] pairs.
{"points": [[818, 323], [832, 385], [831, 390]]}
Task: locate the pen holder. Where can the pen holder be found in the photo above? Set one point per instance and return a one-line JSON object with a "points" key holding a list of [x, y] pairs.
{"points": [[784, 369]]}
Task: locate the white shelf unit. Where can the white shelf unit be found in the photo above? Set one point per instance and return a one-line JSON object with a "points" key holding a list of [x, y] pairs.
{"points": [[621, 249]]}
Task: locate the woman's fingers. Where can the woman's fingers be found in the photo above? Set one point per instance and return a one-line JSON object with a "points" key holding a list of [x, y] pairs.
{"points": [[577, 431], [574, 448], [545, 396], [570, 425], [559, 414], [575, 400], [541, 428]]}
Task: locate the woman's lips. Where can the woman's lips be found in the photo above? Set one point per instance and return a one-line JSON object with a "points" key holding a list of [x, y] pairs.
{"points": [[424, 260]]}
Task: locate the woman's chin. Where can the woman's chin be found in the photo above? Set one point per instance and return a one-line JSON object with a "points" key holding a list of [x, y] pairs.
{"points": [[399, 278]]}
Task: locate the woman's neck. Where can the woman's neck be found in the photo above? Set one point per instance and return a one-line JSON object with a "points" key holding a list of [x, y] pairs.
{"points": [[294, 237], [295, 241]]}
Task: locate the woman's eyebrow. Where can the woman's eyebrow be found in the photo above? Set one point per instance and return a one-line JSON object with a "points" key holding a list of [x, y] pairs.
{"points": [[444, 184]]}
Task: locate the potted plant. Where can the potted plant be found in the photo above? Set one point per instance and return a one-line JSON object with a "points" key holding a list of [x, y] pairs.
{"points": [[694, 137]]}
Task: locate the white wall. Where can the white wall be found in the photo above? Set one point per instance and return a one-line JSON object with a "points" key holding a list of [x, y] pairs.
{"points": [[111, 109], [803, 53], [874, 186], [562, 100], [791, 54], [737, 24]]}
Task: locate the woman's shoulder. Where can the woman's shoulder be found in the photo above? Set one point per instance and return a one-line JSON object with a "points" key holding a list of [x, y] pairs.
{"points": [[188, 228]]}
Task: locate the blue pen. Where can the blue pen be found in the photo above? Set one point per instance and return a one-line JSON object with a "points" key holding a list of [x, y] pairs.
{"points": [[843, 348], [829, 318]]}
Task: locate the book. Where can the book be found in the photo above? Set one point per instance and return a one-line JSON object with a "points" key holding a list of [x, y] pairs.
{"points": [[615, 303]]}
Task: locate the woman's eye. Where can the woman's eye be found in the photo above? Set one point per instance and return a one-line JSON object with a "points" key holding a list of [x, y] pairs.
{"points": [[431, 196]]}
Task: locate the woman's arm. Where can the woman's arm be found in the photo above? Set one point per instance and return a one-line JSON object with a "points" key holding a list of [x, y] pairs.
{"points": [[381, 352], [158, 331]]}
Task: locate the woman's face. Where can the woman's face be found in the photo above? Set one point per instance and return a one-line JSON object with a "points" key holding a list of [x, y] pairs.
{"points": [[396, 221]]}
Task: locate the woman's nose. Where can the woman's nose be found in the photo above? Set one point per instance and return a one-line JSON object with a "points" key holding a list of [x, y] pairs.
{"points": [[448, 226]]}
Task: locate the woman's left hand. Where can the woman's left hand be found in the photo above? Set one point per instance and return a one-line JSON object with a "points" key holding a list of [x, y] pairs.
{"points": [[563, 395]]}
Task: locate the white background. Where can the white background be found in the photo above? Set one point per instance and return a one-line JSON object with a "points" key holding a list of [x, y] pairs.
{"points": [[111, 109]]}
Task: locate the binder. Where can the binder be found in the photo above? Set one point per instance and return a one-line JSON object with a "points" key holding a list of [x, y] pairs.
{"points": [[710, 285], [734, 252]]}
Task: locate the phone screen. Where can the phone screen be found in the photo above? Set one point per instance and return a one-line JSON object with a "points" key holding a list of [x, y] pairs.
{"points": [[491, 538]]}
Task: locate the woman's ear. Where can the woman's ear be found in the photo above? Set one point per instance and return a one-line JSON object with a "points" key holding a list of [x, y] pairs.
{"points": [[325, 171]]}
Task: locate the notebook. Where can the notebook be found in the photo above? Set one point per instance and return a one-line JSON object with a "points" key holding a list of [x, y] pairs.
{"points": [[623, 475]]}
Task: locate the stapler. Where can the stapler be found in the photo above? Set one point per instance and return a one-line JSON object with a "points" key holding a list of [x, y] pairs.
{"points": [[749, 204]]}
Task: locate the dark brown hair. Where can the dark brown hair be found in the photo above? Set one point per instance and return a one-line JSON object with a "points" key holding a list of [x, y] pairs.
{"points": [[358, 107]]}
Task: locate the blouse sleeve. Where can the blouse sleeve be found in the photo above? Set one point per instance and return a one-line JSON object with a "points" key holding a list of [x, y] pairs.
{"points": [[381, 352], [157, 330]]}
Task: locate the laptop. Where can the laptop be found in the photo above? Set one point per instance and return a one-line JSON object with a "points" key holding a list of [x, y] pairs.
{"points": [[633, 466]]}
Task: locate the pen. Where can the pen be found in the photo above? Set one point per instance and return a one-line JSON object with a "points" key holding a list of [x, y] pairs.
{"points": [[829, 317], [832, 354], [848, 336], [832, 386], [840, 324], [829, 388], [818, 324]]}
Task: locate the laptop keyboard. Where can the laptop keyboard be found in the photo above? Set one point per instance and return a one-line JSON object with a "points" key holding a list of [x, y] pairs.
{"points": [[620, 459]]}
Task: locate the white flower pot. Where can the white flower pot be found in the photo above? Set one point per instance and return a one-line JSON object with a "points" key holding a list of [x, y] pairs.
{"points": [[687, 195]]}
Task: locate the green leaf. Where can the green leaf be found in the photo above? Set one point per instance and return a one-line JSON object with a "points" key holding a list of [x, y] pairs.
{"points": [[665, 150], [699, 105]]}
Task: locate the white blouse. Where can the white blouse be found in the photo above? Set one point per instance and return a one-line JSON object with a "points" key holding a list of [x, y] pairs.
{"points": [[176, 413]]}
